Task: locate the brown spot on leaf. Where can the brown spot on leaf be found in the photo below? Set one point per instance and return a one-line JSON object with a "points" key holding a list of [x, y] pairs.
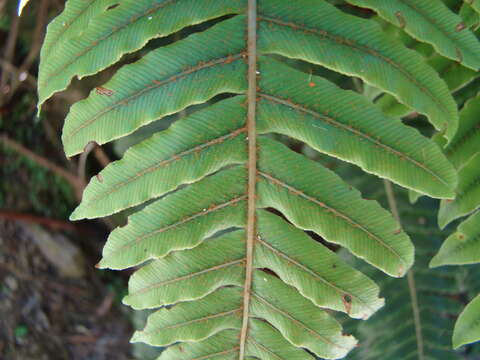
{"points": [[347, 302], [103, 91], [460, 27]]}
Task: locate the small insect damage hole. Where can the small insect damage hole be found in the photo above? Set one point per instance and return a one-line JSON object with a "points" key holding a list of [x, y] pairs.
{"points": [[111, 7], [460, 27], [347, 302]]}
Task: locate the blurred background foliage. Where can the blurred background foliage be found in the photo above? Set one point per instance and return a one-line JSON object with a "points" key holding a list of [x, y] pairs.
{"points": [[56, 309]]}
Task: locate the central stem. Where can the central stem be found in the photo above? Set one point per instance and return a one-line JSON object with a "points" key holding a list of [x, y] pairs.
{"points": [[252, 166]]}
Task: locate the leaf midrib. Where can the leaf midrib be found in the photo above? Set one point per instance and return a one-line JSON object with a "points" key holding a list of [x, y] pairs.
{"points": [[252, 23]]}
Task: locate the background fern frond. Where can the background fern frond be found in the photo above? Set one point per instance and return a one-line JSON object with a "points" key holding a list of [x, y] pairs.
{"points": [[394, 332]]}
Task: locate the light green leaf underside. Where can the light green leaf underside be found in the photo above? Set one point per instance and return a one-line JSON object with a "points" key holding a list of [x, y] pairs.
{"points": [[432, 22], [453, 73], [333, 121], [463, 246], [290, 183], [362, 226], [71, 23], [185, 218], [171, 73], [218, 262], [99, 36], [470, 16], [317, 32], [216, 135], [297, 319], [264, 344], [468, 193], [163, 82], [467, 327], [191, 239], [345, 125], [300, 262], [467, 139]]}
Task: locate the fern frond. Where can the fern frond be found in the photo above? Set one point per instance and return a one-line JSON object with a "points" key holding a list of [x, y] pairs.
{"points": [[462, 247], [475, 4], [92, 35], [432, 22], [222, 241], [394, 332], [463, 153]]}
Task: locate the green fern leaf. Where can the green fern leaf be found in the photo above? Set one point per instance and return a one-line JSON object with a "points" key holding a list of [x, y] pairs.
{"points": [[467, 328], [319, 33], [463, 153], [432, 22], [475, 4], [222, 240], [461, 247], [417, 321], [468, 193], [113, 29]]}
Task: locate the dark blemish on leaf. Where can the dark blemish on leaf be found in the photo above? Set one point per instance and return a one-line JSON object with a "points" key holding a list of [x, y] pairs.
{"points": [[347, 302], [398, 231], [460, 236], [112, 7], [401, 19], [103, 91], [311, 84]]}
